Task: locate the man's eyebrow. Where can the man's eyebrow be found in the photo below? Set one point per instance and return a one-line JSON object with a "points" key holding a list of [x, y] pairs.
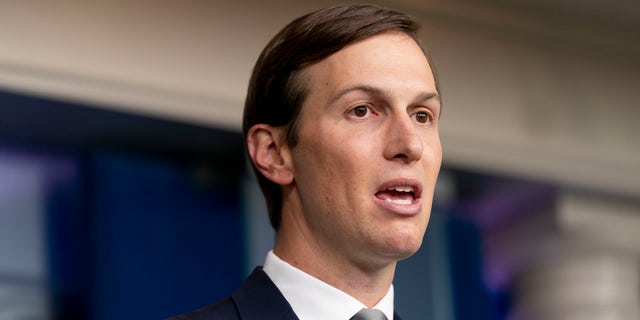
{"points": [[374, 91], [431, 95], [364, 88]]}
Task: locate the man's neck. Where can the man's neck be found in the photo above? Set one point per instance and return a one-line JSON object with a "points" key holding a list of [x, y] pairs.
{"points": [[358, 279]]}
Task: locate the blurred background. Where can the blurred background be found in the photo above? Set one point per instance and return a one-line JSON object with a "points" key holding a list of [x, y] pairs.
{"points": [[125, 194]]}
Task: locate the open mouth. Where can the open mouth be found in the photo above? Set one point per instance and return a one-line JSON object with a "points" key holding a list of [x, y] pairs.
{"points": [[402, 192], [397, 195]]}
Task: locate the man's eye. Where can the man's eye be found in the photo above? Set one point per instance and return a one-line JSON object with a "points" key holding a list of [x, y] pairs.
{"points": [[360, 111], [422, 117]]}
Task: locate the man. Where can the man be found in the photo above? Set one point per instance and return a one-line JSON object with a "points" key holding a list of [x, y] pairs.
{"points": [[341, 125]]}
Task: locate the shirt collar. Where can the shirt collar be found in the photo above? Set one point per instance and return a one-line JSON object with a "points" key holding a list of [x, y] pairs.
{"points": [[311, 298]]}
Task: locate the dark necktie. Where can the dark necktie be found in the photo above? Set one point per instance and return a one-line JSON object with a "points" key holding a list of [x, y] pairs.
{"points": [[369, 314]]}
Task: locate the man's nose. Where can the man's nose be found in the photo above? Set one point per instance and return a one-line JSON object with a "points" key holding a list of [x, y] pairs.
{"points": [[402, 139]]}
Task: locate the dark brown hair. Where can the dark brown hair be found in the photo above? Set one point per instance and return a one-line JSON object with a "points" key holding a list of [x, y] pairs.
{"points": [[277, 90]]}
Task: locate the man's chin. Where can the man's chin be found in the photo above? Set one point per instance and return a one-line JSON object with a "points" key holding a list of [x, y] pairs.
{"points": [[403, 249], [406, 252], [405, 240]]}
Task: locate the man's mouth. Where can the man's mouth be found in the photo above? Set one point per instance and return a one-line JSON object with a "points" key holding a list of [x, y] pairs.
{"points": [[397, 194], [400, 196], [400, 192]]}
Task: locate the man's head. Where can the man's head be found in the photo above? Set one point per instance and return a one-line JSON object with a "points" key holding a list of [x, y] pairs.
{"points": [[278, 87]]}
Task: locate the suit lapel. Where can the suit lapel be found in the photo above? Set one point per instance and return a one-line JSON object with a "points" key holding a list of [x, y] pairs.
{"points": [[259, 298]]}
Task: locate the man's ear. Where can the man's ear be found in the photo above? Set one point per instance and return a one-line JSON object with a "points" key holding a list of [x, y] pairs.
{"points": [[269, 153]]}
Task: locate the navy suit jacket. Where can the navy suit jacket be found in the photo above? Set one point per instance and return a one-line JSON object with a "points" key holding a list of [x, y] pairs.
{"points": [[257, 299]]}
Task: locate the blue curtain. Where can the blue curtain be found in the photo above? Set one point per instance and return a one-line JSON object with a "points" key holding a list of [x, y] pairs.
{"points": [[143, 237]]}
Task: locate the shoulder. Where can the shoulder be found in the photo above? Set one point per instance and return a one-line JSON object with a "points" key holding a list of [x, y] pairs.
{"points": [[224, 309], [257, 298]]}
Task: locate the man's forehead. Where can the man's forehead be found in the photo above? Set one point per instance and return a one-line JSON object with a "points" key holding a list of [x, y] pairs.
{"points": [[386, 55], [380, 42], [371, 41]]}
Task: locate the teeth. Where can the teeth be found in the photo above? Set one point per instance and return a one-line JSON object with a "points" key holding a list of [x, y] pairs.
{"points": [[402, 188], [399, 201]]}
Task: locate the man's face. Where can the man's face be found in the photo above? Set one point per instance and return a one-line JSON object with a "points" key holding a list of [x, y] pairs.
{"points": [[369, 153]]}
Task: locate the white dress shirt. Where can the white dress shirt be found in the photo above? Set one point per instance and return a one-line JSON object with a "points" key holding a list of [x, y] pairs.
{"points": [[312, 299]]}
